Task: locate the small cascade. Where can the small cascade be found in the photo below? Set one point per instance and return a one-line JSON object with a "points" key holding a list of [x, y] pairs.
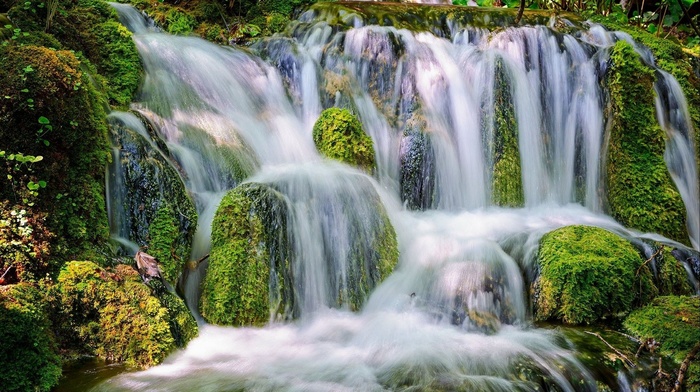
{"points": [[340, 234], [464, 121]]}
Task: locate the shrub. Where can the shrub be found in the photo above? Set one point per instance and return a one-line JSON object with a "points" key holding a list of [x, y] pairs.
{"points": [[27, 350]]}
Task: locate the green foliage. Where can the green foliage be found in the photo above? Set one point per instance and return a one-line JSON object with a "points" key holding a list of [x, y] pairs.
{"points": [[179, 22], [587, 274], [27, 350], [92, 27], [113, 315], [641, 192], [61, 91], [674, 322], [239, 288], [339, 135]]}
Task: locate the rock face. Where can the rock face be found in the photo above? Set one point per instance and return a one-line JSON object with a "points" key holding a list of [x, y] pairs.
{"points": [[339, 135], [113, 315], [588, 273], [255, 273], [153, 207]]}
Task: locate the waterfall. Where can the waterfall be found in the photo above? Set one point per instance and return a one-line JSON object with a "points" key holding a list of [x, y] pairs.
{"points": [[454, 313]]}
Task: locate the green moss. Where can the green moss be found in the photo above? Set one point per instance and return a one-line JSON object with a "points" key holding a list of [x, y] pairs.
{"points": [[339, 135], [27, 350], [586, 274], [163, 243], [670, 276], [641, 193], [674, 322], [507, 178], [247, 259], [113, 315]]}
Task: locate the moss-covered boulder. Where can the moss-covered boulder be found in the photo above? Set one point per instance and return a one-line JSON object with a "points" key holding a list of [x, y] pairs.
{"points": [[587, 274], [674, 323], [28, 355], [113, 315], [244, 283], [254, 274], [339, 135], [156, 210], [641, 193]]}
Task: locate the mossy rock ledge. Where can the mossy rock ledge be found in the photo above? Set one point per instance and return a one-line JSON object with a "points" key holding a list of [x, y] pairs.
{"points": [[674, 323], [112, 314], [587, 274], [251, 277], [339, 135]]}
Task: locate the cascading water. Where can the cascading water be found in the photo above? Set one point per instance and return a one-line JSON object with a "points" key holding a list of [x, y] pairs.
{"points": [[454, 314]]}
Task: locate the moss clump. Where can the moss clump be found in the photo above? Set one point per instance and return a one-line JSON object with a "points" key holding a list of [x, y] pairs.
{"points": [[248, 258], [27, 350], [339, 135], [507, 178], [641, 193], [674, 322], [113, 315], [586, 274]]}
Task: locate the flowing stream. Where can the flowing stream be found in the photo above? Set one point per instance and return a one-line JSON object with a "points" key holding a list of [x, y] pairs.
{"points": [[428, 102]]}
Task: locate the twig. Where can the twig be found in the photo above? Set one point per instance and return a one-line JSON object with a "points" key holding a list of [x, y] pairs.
{"points": [[684, 367], [520, 12], [7, 270], [649, 260], [206, 256], [623, 356], [630, 337], [660, 373], [685, 12]]}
